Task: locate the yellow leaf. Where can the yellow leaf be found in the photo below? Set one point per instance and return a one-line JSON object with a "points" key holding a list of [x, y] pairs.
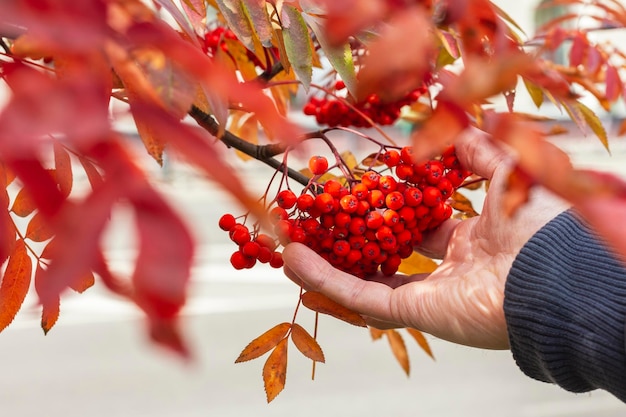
{"points": [[264, 343], [275, 371], [417, 263]]}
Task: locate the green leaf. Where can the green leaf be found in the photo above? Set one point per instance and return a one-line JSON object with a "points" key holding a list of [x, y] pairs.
{"points": [[256, 10], [235, 15], [297, 44], [593, 121], [536, 93], [339, 57]]}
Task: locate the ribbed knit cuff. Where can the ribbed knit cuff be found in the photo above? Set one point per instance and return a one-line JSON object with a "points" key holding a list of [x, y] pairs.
{"points": [[565, 307]]}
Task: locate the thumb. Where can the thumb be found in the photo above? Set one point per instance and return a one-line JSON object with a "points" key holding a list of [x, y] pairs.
{"points": [[365, 297], [478, 152]]}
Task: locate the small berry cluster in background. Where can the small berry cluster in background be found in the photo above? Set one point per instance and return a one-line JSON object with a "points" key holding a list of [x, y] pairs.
{"points": [[369, 225], [332, 111]]}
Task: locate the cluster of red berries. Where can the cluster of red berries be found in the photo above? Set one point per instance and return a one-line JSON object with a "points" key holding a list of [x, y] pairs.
{"points": [[368, 226], [217, 38], [335, 112]]}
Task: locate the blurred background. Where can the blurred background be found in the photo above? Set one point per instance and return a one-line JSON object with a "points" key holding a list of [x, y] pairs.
{"points": [[97, 361]]}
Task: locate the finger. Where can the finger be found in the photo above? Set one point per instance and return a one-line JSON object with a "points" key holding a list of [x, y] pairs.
{"points": [[478, 153], [365, 297]]}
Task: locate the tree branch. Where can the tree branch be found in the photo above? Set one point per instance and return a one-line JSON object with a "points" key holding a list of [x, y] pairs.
{"points": [[263, 153]]}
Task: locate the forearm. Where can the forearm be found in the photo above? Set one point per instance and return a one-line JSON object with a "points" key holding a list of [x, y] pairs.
{"points": [[565, 306]]}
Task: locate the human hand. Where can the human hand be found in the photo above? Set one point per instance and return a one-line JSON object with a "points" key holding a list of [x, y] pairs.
{"points": [[462, 300]]}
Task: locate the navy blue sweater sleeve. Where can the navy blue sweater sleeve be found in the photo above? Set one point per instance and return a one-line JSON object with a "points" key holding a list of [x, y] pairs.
{"points": [[565, 307]]}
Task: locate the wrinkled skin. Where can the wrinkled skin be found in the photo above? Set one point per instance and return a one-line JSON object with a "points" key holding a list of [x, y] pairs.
{"points": [[462, 300]]}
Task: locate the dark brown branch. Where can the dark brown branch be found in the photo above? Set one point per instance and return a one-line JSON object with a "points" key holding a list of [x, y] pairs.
{"points": [[263, 153]]}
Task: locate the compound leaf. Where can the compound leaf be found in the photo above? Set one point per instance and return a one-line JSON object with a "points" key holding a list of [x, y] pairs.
{"points": [[264, 343]]}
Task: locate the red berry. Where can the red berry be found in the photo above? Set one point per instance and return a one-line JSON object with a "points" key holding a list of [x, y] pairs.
{"points": [[412, 196], [432, 196], [341, 248], [391, 158], [324, 202], [239, 234], [251, 249], [278, 213], [227, 222], [277, 260], [360, 191], [305, 202], [370, 179], [374, 220], [318, 164], [238, 260], [349, 203], [286, 199], [394, 200]]}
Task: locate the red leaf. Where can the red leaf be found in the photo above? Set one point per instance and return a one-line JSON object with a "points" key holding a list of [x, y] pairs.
{"points": [[77, 244], [275, 371], [393, 66], [23, 204], [39, 229], [264, 343], [40, 185], [63, 169], [306, 344], [49, 310], [83, 283], [7, 231], [441, 129], [614, 85], [15, 284], [578, 50], [319, 302], [165, 255], [93, 175]]}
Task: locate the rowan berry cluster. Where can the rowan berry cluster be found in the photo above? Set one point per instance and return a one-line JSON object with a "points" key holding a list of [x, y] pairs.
{"points": [[369, 225], [335, 112], [217, 39]]}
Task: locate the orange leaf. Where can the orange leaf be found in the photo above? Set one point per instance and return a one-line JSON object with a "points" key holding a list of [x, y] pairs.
{"points": [[463, 204], [50, 309], [38, 229], [15, 283], [319, 302], [23, 205], [84, 283], [275, 371], [264, 343], [421, 341], [306, 344], [376, 333], [398, 348], [63, 169]]}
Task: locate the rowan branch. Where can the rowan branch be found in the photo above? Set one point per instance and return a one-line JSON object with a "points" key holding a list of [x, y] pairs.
{"points": [[262, 153]]}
